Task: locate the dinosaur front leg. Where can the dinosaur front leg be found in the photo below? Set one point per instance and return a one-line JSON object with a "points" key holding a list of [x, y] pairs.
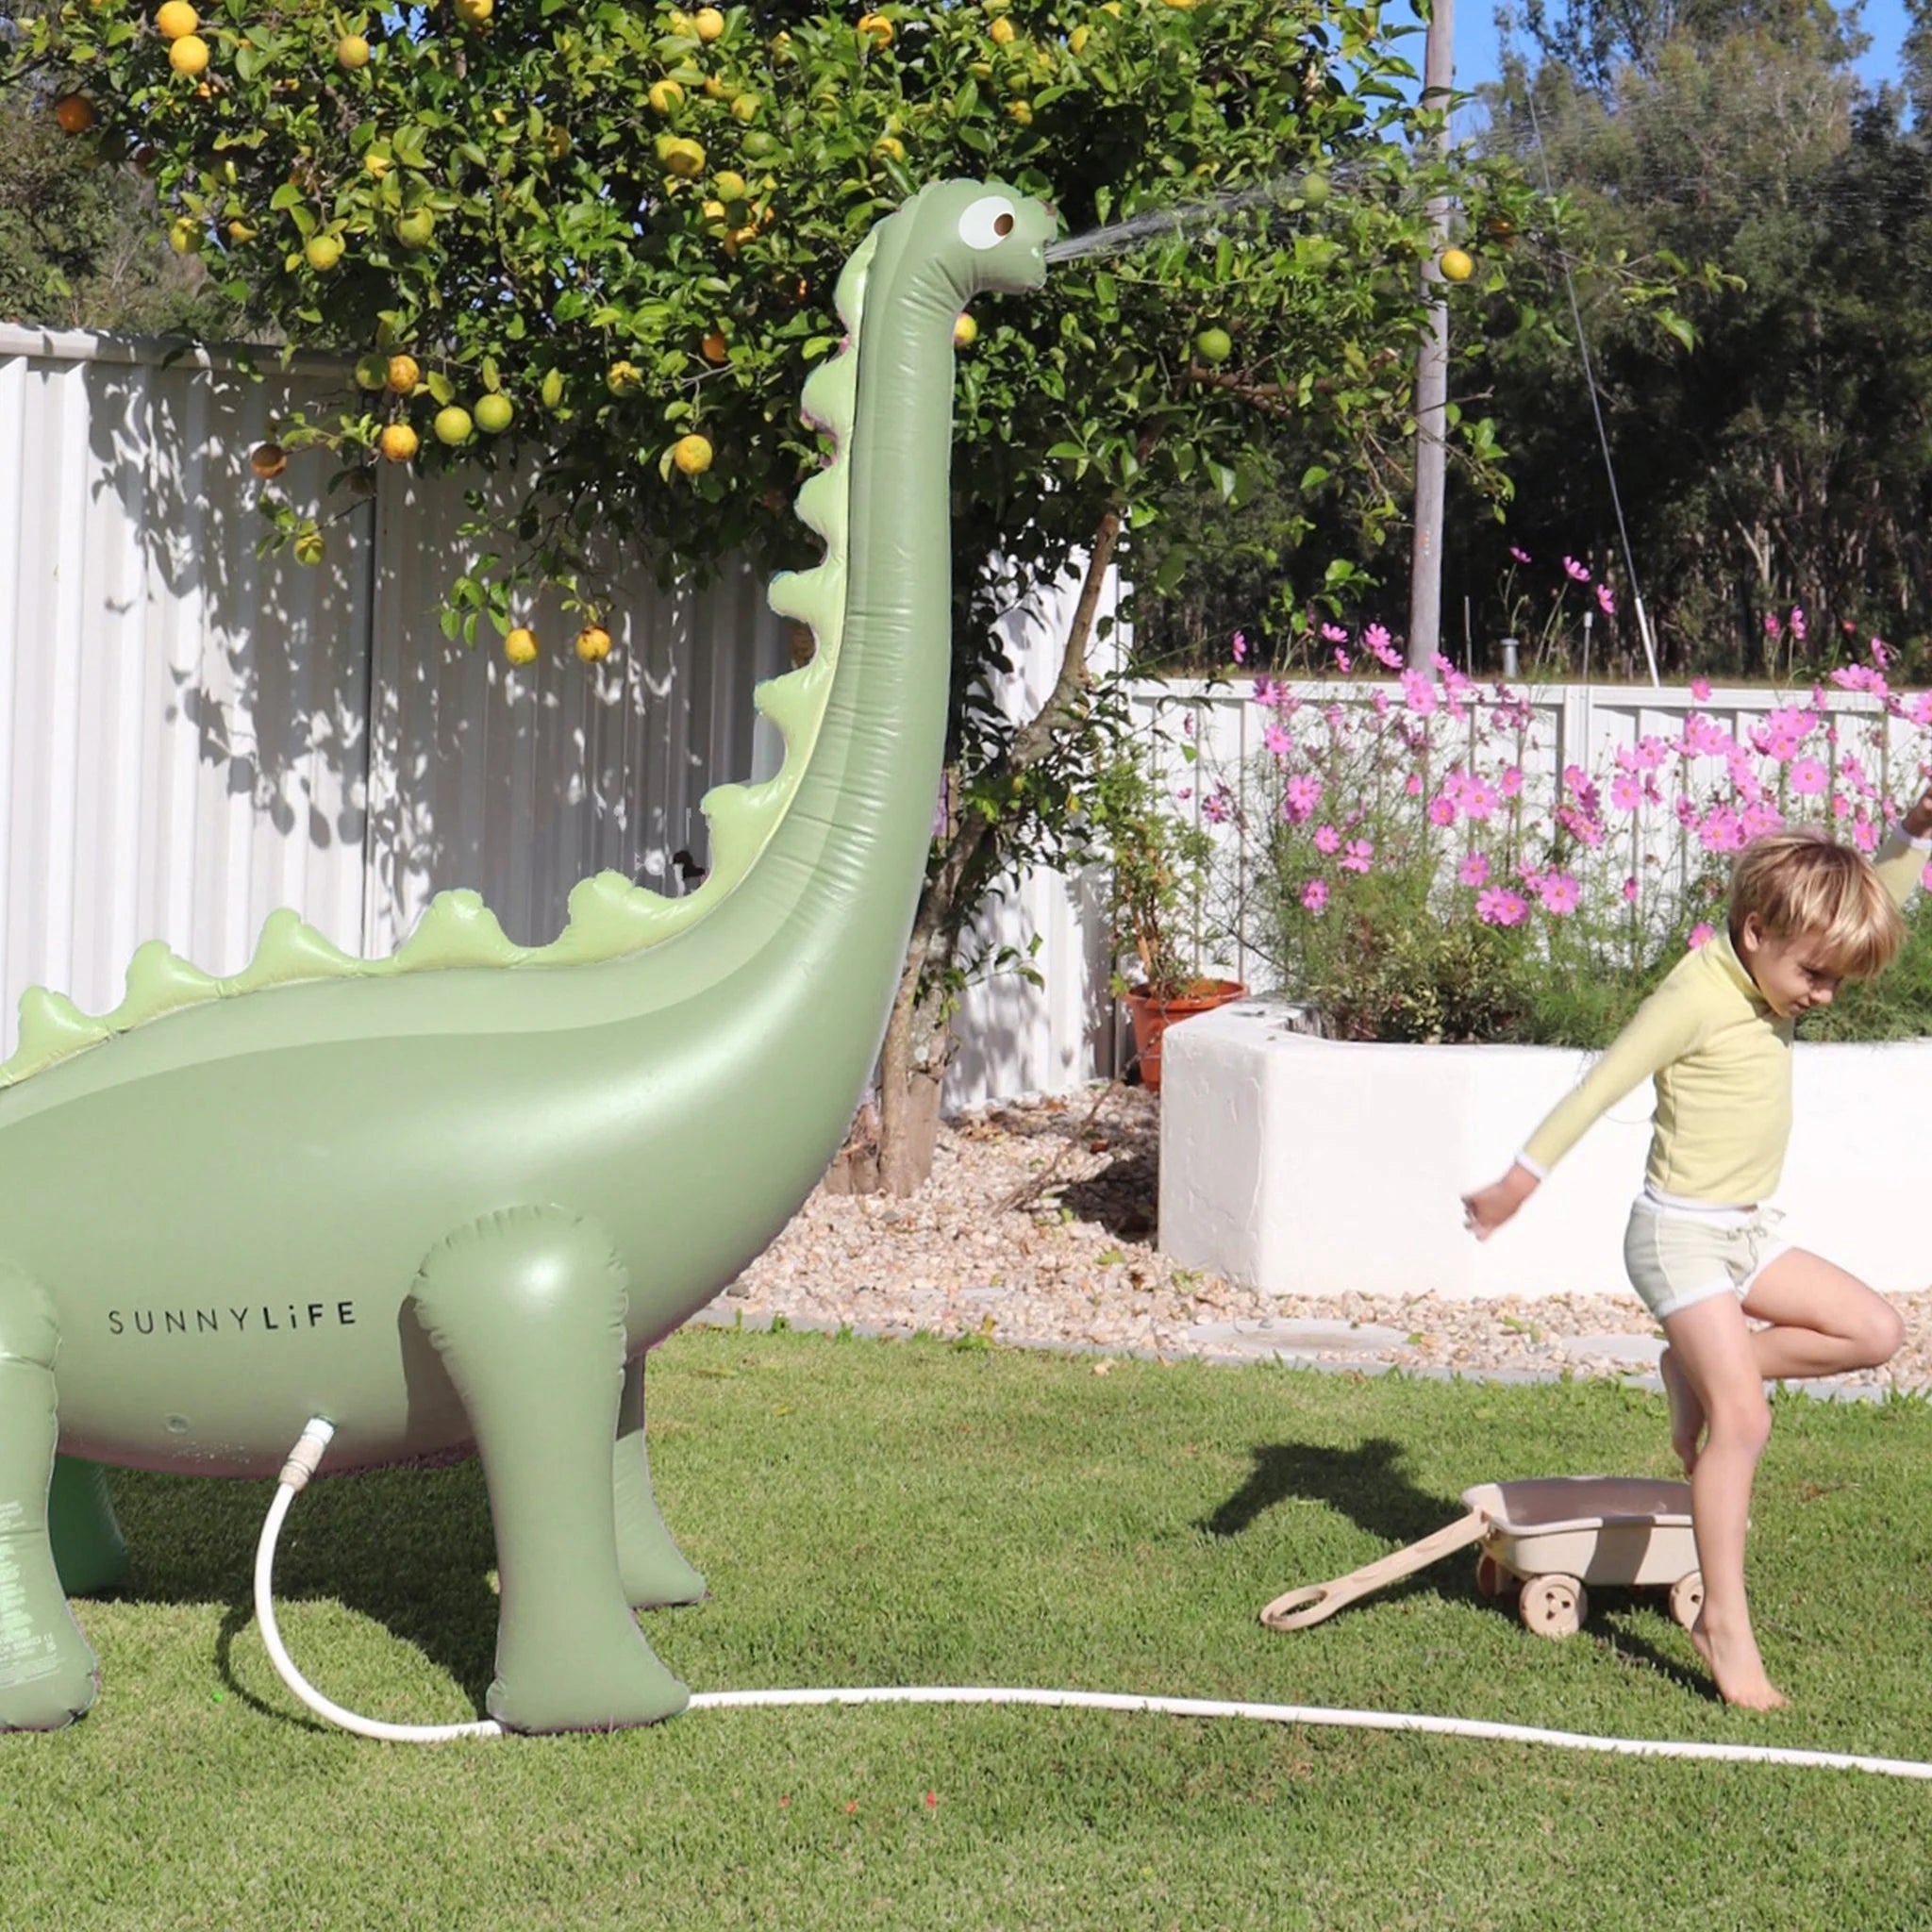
{"points": [[88, 1549], [656, 1574], [526, 1309], [49, 1674]]}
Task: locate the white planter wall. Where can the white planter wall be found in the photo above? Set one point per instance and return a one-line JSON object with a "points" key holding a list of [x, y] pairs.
{"points": [[1305, 1166]]}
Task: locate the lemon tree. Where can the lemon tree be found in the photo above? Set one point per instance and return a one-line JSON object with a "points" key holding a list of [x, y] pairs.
{"points": [[624, 221]]}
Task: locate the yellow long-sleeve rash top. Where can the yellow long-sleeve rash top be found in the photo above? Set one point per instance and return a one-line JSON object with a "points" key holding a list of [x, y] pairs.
{"points": [[1722, 1062]]}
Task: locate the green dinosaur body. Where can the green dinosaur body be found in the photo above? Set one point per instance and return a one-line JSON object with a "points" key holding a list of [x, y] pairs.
{"points": [[439, 1202]]}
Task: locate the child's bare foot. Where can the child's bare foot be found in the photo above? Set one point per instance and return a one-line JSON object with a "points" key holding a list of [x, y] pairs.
{"points": [[1686, 1412], [1738, 1669]]}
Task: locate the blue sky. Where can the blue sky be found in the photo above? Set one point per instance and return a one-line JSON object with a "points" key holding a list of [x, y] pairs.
{"points": [[1477, 58]]}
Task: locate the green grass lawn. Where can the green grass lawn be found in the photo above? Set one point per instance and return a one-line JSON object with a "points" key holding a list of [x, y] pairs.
{"points": [[877, 1513]]}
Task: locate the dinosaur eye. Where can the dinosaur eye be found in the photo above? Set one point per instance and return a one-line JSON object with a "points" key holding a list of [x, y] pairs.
{"points": [[986, 223]]}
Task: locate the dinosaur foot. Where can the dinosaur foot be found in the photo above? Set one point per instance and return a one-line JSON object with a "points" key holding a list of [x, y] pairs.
{"points": [[578, 1685], [659, 1579], [47, 1680]]}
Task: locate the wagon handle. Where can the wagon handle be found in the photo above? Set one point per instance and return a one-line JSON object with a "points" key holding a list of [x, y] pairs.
{"points": [[1297, 1608]]}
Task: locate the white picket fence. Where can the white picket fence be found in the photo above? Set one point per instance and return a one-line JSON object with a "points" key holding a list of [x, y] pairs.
{"points": [[190, 736]]}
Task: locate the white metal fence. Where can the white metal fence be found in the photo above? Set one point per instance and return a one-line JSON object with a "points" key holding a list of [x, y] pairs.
{"points": [[190, 736]]}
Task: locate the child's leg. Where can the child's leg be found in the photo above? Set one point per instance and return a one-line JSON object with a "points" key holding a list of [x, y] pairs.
{"points": [[1823, 1321], [1713, 1350]]}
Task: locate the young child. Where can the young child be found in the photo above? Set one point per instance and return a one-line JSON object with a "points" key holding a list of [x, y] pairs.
{"points": [[1806, 914]]}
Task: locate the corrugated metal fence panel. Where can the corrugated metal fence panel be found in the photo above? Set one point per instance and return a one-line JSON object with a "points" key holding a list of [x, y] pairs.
{"points": [[1015, 1038], [181, 725], [519, 782]]}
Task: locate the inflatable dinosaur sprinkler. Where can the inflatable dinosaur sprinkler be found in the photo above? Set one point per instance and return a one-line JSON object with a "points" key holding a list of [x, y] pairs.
{"points": [[453, 1197]]}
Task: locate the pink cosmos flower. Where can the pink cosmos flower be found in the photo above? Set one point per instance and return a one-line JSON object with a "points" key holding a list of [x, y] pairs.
{"points": [[1510, 781], [1315, 895], [1501, 906], [1626, 792], [1720, 831], [1576, 571], [1865, 835], [1380, 701], [1413, 785], [1300, 796], [1240, 649], [1359, 856], [1560, 894], [1810, 777], [1702, 935], [1520, 555], [1478, 800], [1605, 603], [1334, 634], [1798, 624], [1700, 689], [1772, 628], [1417, 694], [1442, 809], [1881, 652], [1217, 809], [1474, 871], [1630, 891], [1279, 741], [1328, 839], [1267, 692], [1375, 641], [1582, 827], [1186, 792], [1342, 660]]}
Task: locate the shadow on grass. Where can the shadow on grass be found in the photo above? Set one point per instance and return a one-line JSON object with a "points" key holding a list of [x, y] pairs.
{"points": [[1365, 1482], [410, 1549]]}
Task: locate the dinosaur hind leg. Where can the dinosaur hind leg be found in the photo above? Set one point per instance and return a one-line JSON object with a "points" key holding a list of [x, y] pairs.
{"points": [[656, 1574], [526, 1309], [88, 1549], [49, 1674]]}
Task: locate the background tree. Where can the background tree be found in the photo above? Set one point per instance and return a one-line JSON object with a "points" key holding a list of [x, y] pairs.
{"points": [[605, 237]]}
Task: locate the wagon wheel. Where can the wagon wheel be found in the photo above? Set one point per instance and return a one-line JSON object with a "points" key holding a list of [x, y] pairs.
{"points": [[1687, 1598], [1553, 1606], [1491, 1579]]}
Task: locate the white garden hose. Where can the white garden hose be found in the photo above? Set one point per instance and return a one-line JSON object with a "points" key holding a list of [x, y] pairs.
{"points": [[307, 1452]]}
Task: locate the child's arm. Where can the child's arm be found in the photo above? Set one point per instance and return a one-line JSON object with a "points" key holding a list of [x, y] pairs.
{"points": [[1664, 1029], [1901, 859]]}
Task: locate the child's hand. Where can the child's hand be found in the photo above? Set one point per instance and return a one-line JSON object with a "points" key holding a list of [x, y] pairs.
{"points": [[1487, 1209], [1917, 823]]}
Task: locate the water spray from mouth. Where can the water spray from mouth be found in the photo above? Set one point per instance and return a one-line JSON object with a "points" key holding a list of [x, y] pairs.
{"points": [[1310, 190]]}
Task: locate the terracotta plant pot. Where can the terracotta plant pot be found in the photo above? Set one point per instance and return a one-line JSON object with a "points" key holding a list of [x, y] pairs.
{"points": [[1153, 1017]]}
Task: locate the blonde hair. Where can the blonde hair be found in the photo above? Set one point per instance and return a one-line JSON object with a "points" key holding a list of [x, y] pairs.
{"points": [[1801, 882]]}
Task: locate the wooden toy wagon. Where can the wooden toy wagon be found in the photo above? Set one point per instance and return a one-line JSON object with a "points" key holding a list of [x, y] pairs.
{"points": [[1547, 1539]]}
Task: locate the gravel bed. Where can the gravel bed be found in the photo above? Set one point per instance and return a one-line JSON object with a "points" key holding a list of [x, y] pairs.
{"points": [[1037, 1229]]}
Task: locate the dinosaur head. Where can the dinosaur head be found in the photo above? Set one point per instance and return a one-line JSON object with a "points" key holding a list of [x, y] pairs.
{"points": [[983, 235]]}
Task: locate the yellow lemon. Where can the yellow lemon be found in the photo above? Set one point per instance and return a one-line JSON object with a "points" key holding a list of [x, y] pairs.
{"points": [[322, 252], [965, 332], [399, 443], [189, 55], [691, 453], [876, 28], [402, 374], [176, 18], [593, 643], [708, 21], [352, 51], [493, 413], [519, 646], [1456, 265]]}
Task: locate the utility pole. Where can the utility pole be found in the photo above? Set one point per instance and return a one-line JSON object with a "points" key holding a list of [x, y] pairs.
{"points": [[1432, 369]]}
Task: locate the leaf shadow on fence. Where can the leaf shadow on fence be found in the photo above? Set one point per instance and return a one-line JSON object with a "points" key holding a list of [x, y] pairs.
{"points": [[327, 697]]}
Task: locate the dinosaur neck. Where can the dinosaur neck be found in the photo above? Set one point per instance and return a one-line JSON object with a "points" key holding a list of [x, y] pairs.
{"points": [[836, 887]]}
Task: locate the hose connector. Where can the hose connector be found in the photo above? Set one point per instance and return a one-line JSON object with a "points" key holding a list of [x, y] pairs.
{"points": [[305, 1458]]}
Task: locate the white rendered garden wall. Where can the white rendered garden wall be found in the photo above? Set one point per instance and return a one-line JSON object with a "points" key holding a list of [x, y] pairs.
{"points": [[1307, 1166]]}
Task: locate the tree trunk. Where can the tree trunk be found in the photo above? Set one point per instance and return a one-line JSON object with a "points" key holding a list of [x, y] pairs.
{"points": [[892, 1152]]}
